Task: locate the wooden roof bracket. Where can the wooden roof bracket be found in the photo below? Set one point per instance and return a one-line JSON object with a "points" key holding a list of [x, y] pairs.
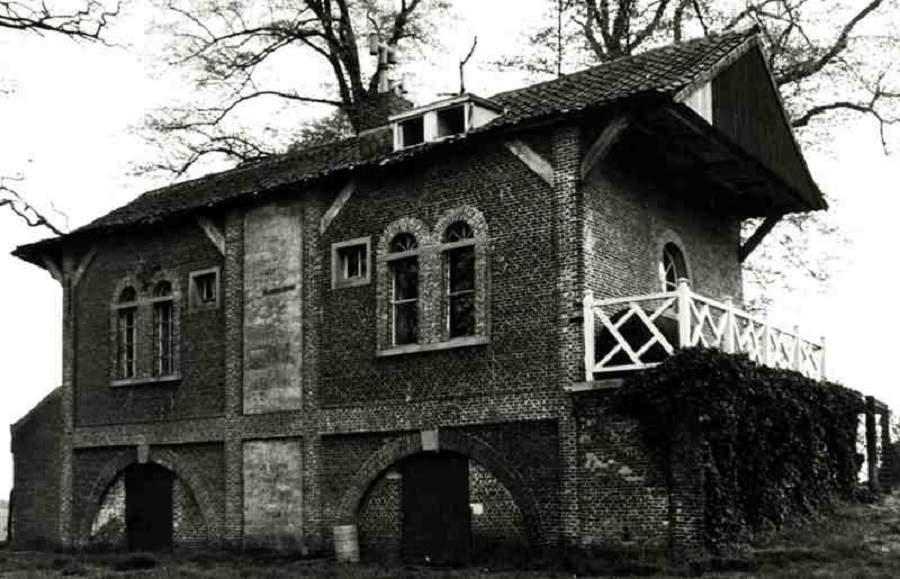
{"points": [[337, 205], [213, 233], [754, 240], [532, 159], [604, 143]]}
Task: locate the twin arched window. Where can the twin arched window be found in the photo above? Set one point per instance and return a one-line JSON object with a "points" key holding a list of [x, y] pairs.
{"points": [[129, 327], [432, 289]]}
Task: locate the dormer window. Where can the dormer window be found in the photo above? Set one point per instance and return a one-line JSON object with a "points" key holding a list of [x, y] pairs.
{"points": [[451, 121], [442, 120], [413, 131]]}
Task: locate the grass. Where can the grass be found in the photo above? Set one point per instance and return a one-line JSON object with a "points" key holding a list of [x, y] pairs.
{"points": [[851, 541]]}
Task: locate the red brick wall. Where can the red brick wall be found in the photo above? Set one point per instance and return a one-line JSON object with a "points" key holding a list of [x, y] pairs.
{"points": [[518, 208], [630, 218], [177, 250]]}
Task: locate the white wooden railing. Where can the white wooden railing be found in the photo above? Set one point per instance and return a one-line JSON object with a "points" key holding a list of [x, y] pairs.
{"points": [[639, 332]]}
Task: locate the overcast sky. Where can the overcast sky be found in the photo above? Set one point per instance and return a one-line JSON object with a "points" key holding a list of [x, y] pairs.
{"points": [[66, 126]]}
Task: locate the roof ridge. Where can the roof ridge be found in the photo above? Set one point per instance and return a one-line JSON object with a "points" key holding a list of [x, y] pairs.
{"points": [[715, 36]]}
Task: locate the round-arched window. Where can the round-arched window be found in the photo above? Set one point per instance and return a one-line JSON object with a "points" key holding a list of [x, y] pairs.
{"points": [[127, 295], [672, 267]]}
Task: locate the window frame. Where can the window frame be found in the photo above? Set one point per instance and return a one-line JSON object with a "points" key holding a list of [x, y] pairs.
{"points": [[339, 278], [196, 304], [126, 366], [448, 249], [678, 265], [159, 305], [392, 259]]}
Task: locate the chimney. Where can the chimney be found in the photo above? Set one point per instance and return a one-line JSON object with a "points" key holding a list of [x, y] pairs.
{"points": [[375, 110]]}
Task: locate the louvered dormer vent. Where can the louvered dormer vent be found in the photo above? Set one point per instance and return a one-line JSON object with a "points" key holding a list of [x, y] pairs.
{"points": [[443, 119]]}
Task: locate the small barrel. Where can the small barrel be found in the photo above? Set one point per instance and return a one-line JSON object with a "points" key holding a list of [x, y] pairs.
{"points": [[346, 544]]}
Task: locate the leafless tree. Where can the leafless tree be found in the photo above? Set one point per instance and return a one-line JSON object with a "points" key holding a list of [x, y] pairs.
{"points": [[251, 53], [87, 21]]}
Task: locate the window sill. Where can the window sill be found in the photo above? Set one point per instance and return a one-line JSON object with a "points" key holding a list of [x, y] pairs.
{"points": [[448, 345], [143, 381]]}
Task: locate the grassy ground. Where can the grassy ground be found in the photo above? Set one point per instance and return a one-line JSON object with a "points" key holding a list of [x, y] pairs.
{"points": [[853, 541]]}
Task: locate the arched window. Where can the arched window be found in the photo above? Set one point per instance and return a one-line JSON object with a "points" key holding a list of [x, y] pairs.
{"points": [[404, 290], [163, 326], [126, 332], [459, 279], [672, 267]]}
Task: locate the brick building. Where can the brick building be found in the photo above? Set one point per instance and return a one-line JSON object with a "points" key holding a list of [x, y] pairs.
{"points": [[389, 331]]}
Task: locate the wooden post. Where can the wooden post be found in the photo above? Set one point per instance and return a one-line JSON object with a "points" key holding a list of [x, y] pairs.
{"points": [[795, 355], [767, 339], [728, 341], [684, 313], [822, 359], [589, 362]]}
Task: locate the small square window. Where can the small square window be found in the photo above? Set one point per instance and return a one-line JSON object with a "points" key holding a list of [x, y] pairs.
{"points": [[350, 263], [205, 289]]}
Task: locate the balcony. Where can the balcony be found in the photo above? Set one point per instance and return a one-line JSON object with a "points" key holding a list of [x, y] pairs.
{"points": [[635, 333]]}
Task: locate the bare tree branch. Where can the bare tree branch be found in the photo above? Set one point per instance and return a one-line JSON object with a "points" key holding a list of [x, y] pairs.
{"points": [[232, 48], [85, 23], [11, 199]]}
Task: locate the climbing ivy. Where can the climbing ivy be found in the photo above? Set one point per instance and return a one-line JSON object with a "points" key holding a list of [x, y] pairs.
{"points": [[776, 445]]}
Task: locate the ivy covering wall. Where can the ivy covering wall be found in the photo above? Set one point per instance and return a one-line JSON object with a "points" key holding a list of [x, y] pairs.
{"points": [[776, 444]]}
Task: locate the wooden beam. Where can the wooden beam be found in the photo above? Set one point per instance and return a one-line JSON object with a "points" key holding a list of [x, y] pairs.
{"points": [[53, 269], [83, 264], [337, 205], [531, 159], [213, 233], [604, 143], [764, 228]]}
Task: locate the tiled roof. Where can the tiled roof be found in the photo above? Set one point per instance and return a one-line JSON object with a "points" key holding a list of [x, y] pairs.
{"points": [[663, 71]]}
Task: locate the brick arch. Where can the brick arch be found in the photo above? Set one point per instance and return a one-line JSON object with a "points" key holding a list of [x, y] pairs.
{"points": [[467, 445], [405, 225], [164, 458], [467, 213]]}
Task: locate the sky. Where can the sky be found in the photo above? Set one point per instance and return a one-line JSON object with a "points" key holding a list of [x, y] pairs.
{"points": [[68, 114]]}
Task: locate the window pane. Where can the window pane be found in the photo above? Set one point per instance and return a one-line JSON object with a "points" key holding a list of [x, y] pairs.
{"points": [[462, 315], [126, 343], [462, 269], [405, 323], [406, 279], [164, 337]]}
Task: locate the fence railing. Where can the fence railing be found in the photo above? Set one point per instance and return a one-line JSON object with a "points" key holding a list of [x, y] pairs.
{"points": [[640, 332]]}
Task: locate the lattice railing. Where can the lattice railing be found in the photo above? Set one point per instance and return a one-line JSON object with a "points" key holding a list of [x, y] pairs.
{"points": [[640, 332]]}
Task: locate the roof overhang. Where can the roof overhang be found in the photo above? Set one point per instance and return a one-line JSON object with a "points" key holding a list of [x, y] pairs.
{"points": [[752, 189]]}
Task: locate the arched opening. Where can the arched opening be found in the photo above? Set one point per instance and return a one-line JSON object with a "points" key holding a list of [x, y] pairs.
{"points": [[439, 508], [147, 507]]}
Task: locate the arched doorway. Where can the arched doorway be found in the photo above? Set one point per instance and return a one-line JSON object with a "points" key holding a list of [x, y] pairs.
{"points": [[439, 508], [148, 507]]}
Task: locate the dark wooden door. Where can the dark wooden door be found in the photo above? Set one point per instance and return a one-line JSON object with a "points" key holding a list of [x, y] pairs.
{"points": [[148, 507], [436, 516]]}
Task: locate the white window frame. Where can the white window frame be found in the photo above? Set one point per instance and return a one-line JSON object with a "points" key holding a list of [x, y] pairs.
{"points": [[339, 277], [196, 304]]}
